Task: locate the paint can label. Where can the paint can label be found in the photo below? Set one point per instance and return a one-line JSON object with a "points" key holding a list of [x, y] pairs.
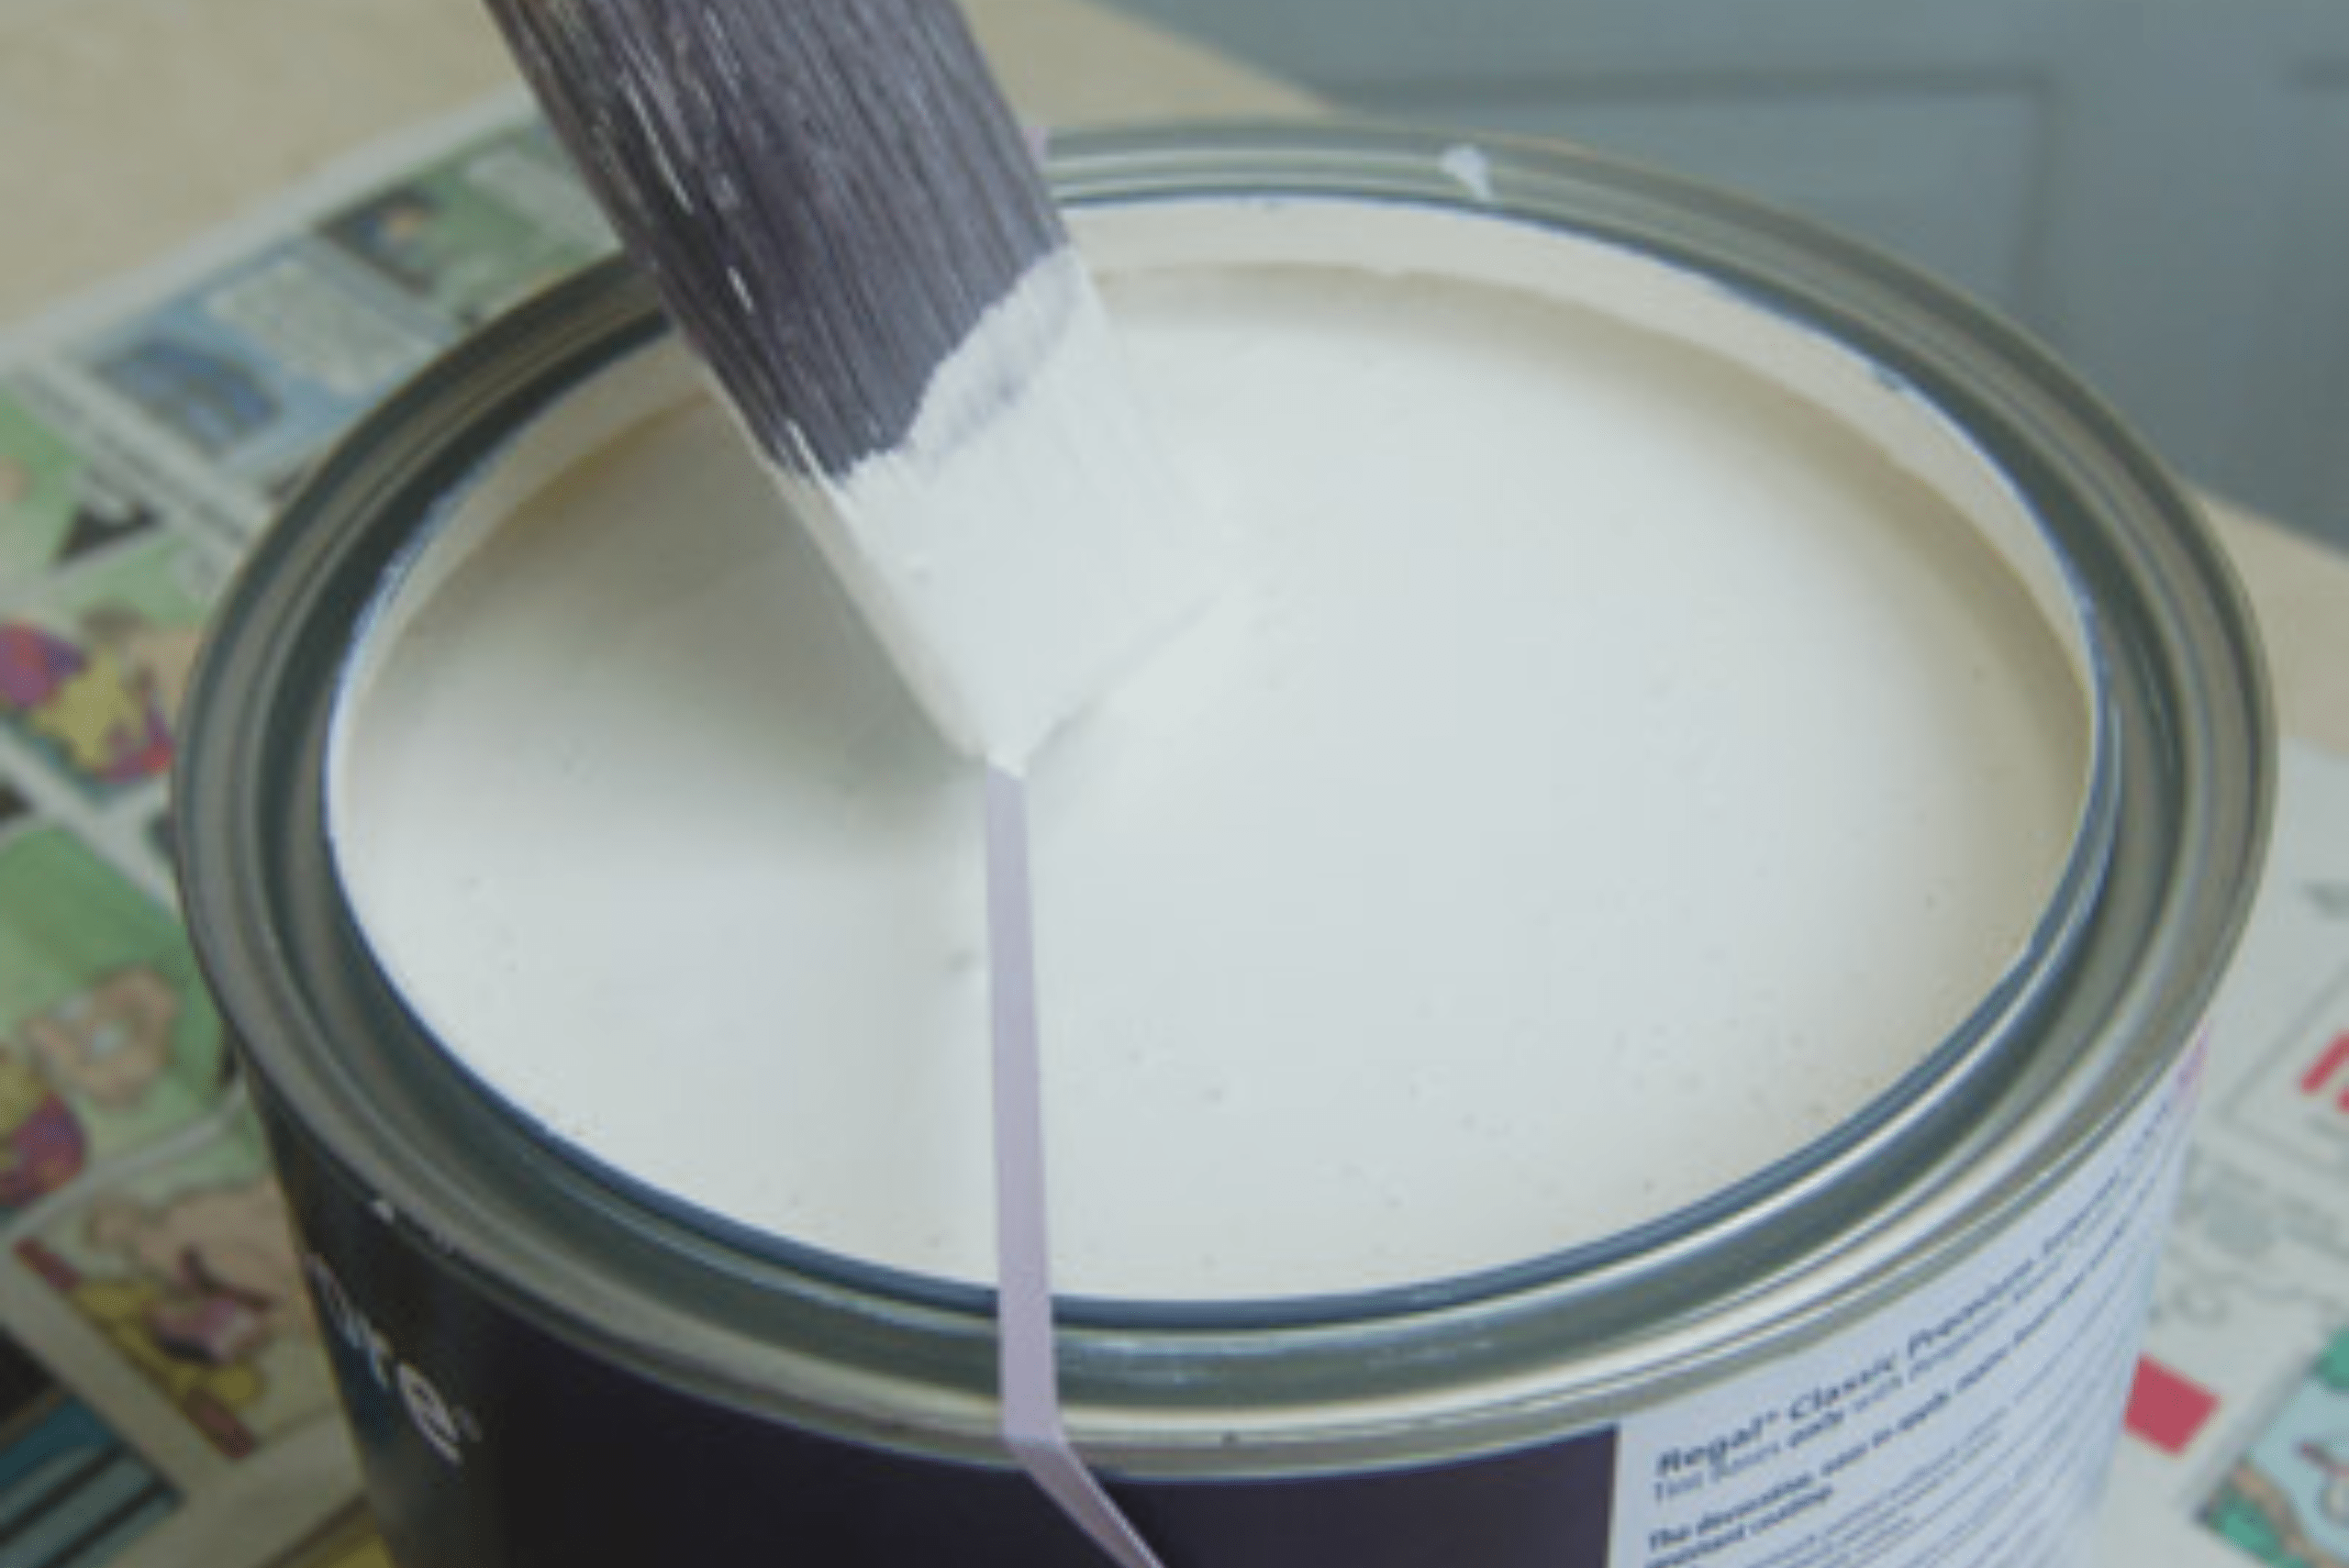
{"points": [[1967, 1425], [1970, 1425]]}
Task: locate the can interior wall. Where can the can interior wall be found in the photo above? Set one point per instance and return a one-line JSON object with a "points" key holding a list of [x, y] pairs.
{"points": [[478, 1277]]}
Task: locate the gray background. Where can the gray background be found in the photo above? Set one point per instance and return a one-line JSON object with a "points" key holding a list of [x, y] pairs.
{"points": [[2159, 188]]}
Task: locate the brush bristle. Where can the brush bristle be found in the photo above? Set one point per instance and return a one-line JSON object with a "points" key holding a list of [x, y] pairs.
{"points": [[827, 193]]}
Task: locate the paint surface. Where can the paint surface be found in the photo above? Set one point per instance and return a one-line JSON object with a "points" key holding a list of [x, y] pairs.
{"points": [[1635, 734]]}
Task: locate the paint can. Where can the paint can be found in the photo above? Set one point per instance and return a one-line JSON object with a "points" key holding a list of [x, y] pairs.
{"points": [[1905, 1341]]}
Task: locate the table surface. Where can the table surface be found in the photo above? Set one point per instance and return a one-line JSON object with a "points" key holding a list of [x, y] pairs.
{"points": [[127, 127]]}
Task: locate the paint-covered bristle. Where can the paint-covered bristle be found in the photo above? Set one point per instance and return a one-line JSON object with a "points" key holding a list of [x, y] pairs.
{"points": [[846, 222], [829, 194]]}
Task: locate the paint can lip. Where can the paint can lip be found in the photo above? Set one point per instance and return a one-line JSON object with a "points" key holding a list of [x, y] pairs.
{"points": [[2155, 893]]}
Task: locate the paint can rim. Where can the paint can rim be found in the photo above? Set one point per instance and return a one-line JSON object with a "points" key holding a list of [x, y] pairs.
{"points": [[2151, 905]]}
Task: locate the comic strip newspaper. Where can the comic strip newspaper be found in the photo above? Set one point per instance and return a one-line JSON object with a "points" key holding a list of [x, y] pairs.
{"points": [[163, 1394], [163, 1400], [2238, 1446]]}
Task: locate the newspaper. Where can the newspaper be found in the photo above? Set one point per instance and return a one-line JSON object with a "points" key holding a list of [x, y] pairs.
{"points": [[2238, 1444], [163, 1398]]}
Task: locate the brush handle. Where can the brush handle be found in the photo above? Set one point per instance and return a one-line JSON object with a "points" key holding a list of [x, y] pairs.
{"points": [[828, 194]]}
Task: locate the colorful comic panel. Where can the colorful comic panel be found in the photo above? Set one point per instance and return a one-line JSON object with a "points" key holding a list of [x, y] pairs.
{"points": [[2297, 1103], [108, 1040], [2286, 1501], [72, 1494], [92, 678], [189, 1270], [55, 505], [259, 367], [477, 233]]}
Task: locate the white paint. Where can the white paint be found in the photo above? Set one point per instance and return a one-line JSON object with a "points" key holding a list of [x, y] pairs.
{"points": [[1637, 734], [1466, 165], [1027, 544]]}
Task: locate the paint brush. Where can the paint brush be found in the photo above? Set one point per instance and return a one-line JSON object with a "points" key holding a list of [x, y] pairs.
{"points": [[842, 216]]}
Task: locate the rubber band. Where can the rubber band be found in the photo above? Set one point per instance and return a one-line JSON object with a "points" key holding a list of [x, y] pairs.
{"points": [[1028, 1371]]}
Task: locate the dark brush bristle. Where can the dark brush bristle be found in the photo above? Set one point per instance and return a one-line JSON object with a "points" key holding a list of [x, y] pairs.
{"points": [[829, 194]]}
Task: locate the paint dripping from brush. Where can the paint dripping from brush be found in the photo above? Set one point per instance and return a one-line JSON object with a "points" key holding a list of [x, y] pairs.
{"points": [[1032, 1426]]}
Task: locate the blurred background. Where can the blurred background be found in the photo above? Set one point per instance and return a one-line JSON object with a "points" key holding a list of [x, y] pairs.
{"points": [[2158, 188]]}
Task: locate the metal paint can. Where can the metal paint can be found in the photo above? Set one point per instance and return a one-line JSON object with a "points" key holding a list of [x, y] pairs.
{"points": [[1909, 1346]]}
